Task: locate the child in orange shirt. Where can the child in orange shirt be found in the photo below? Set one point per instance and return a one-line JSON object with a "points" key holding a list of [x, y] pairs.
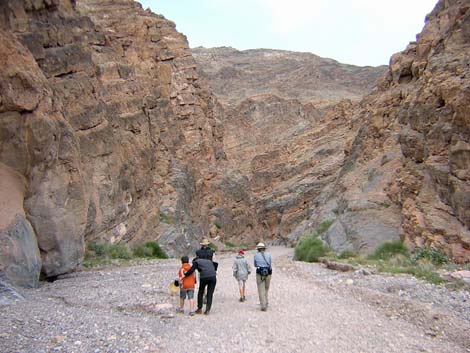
{"points": [[187, 285]]}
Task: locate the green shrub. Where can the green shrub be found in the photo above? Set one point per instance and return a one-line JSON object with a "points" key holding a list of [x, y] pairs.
{"points": [[164, 218], [323, 227], [150, 249], [435, 256], [229, 244], [347, 254], [310, 249], [119, 251], [98, 249], [388, 250]]}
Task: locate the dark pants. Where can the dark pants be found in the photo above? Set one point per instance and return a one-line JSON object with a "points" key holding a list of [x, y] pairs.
{"points": [[210, 283]]}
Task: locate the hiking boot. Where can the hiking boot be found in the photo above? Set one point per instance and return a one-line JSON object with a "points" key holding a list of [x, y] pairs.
{"points": [[206, 312], [244, 299], [241, 299], [198, 311], [264, 308]]}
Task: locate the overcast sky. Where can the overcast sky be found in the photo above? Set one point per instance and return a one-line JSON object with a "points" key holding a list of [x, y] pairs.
{"points": [[359, 32]]}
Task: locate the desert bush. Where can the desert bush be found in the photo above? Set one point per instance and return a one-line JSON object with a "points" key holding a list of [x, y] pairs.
{"points": [[388, 250], [97, 249], [435, 256], [150, 249], [347, 254], [229, 244], [324, 226], [310, 249], [119, 251]]}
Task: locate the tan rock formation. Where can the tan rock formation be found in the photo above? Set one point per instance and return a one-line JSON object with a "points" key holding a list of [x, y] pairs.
{"points": [[238, 75], [407, 174], [105, 124]]}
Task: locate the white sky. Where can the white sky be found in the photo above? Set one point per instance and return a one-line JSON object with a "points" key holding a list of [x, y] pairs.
{"points": [[360, 32]]}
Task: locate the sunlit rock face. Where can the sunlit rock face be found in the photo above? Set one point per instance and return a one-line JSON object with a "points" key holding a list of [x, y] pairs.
{"points": [[288, 123], [106, 134], [407, 174], [236, 75]]}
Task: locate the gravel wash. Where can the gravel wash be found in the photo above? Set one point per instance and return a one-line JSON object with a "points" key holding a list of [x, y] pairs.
{"points": [[311, 309]]}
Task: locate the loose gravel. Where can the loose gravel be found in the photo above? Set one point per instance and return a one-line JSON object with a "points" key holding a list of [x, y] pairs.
{"points": [[311, 309]]}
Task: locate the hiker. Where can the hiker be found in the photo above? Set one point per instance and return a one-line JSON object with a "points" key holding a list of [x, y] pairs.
{"points": [[187, 285], [241, 270], [207, 278], [205, 252], [263, 265]]}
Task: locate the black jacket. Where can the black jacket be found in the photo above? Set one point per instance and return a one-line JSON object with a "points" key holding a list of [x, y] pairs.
{"points": [[205, 253], [205, 267]]}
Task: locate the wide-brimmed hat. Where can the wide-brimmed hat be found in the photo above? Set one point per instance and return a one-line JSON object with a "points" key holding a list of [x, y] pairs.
{"points": [[260, 246], [205, 241]]}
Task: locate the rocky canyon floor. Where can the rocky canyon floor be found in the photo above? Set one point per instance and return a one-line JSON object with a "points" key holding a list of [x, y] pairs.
{"points": [[312, 309]]}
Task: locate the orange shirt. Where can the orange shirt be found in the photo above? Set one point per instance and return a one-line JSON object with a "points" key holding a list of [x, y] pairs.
{"points": [[190, 281]]}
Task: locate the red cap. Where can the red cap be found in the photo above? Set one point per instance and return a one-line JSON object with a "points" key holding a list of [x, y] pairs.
{"points": [[241, 252]]}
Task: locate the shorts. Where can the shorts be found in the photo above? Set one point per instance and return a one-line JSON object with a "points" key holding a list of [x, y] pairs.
{"points": [[241, 282], [187, 292]]}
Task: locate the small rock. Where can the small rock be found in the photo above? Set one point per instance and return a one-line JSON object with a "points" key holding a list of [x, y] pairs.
{"points": [[57, 339]]}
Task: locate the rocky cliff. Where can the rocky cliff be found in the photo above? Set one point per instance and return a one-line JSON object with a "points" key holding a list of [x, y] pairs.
{"points": [[237, 75], [107, 134], [407, 175]]}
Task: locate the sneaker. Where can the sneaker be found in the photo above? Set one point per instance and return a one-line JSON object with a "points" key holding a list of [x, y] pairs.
{"points": [[241, 299], [206, 312], [191, 313], [198, 311], [244, 299]]}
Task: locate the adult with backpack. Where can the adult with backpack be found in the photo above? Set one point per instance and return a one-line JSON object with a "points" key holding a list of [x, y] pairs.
{"points": [[263, 265]]}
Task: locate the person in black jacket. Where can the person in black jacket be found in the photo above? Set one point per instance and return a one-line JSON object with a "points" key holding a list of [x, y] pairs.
{"points": [[207, 278], [205, 252]]}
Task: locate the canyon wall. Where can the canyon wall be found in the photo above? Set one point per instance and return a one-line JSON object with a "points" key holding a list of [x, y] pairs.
{"points": [[106, 132], [110, 132], [407, 174]]}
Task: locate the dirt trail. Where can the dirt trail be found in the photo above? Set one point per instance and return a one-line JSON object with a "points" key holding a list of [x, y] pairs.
{"points": [[129, 310]]}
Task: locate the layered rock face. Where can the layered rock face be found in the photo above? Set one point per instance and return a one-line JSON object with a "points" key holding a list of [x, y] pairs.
{"points": [[237, 75], [407, 175], [106, 134], [287, 124]]}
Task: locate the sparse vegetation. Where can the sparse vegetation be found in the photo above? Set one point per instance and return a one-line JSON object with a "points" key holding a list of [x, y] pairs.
{"points": [[435, 256], [310, 249], [164, 218], [394, 257], [388, 250], [324, 226], [150, 249], [229, 244], [104, 253]]}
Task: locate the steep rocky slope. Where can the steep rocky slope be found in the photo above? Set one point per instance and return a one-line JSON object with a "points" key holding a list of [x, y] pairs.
{"points": [[107, 134], [237, 75], [408, 171]]}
